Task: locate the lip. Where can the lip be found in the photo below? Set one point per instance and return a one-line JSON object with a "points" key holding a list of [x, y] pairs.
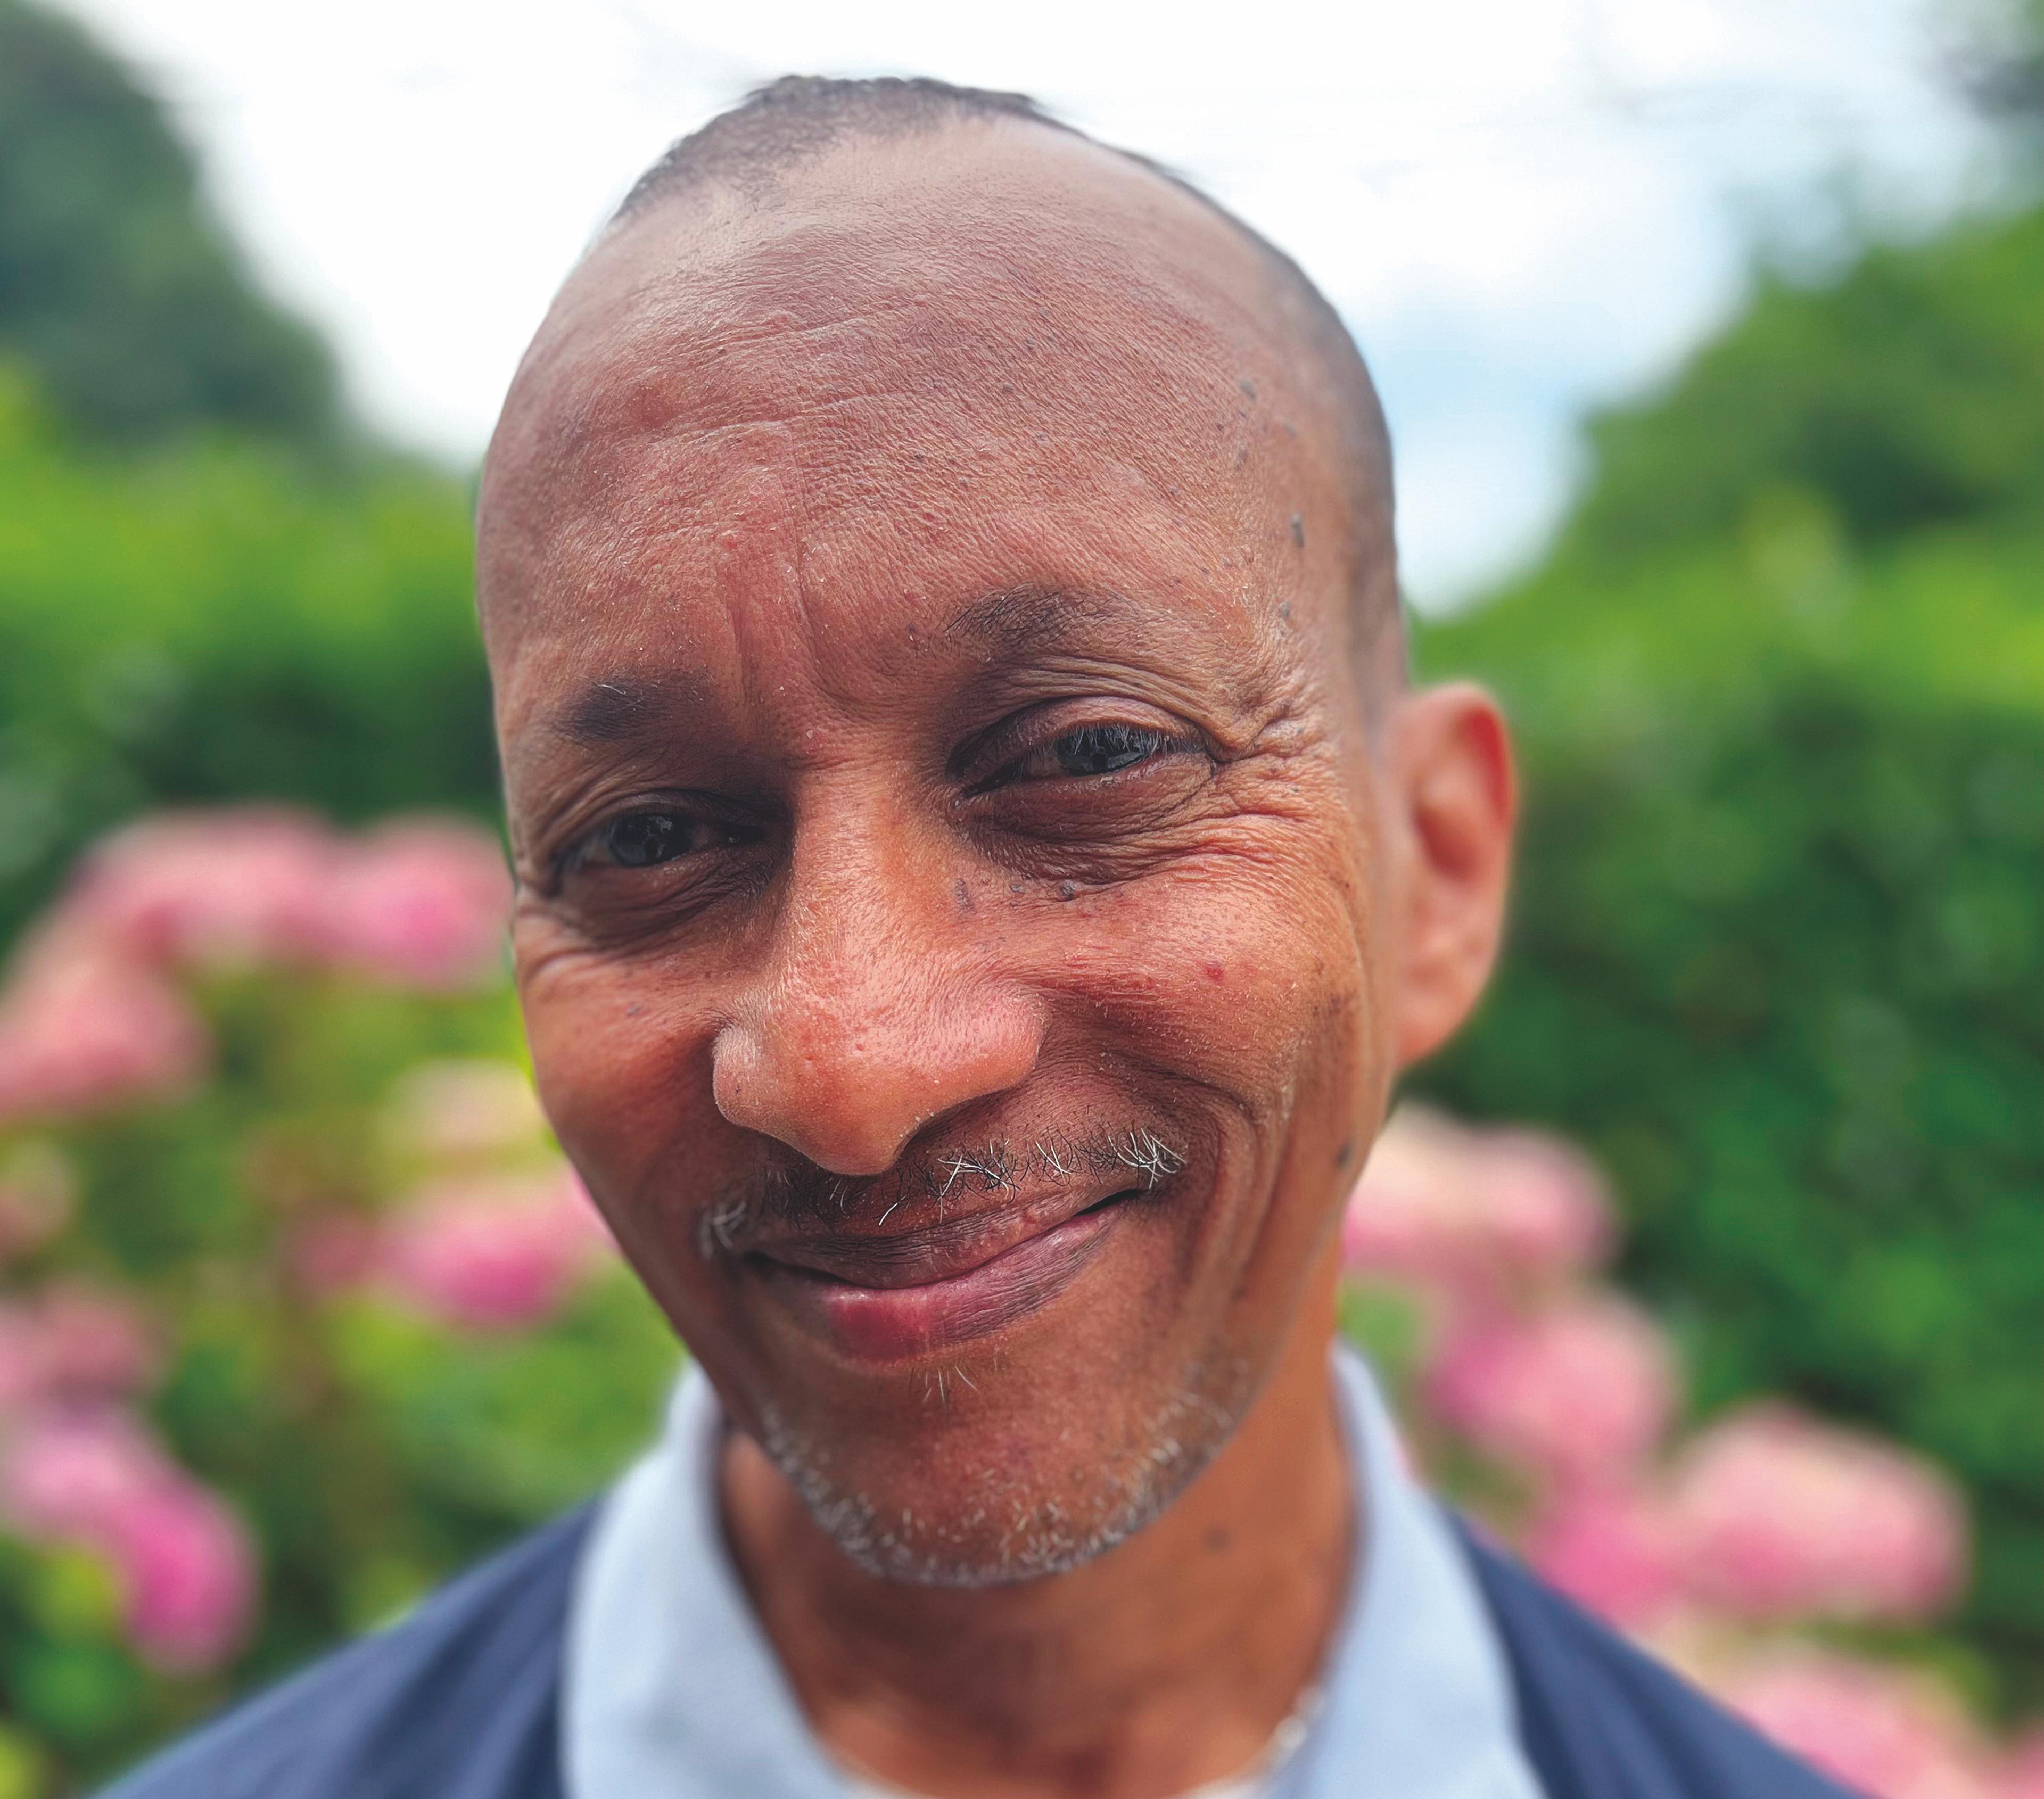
{"points": [[892, 1299]]}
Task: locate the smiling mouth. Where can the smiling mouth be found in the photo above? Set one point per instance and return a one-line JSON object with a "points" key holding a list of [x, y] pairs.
{"points": [[890, 1299]]}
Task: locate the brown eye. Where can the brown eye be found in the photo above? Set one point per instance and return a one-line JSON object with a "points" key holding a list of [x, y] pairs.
{"points": [[645, 839], [1106, 749]]}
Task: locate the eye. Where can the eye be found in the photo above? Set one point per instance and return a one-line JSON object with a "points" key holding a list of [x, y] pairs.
{"points": [[1030, 762], [647, 839], [1102, 749], [1085, 753]]}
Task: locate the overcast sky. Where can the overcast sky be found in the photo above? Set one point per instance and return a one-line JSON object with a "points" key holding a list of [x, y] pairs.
{"points": [[1522, 207]]}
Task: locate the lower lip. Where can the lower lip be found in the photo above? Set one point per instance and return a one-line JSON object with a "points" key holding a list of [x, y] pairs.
{"points": [[882, 1324]]}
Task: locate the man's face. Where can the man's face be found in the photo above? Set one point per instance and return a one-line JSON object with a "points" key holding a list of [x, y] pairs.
{"points": [[951, 919]]}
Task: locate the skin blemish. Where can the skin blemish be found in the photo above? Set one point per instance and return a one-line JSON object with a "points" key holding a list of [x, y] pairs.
{"points": [[1215, 971], [963, 894], [1298, 531], [1067, 891], [1248, 388], [1342, 1156]]}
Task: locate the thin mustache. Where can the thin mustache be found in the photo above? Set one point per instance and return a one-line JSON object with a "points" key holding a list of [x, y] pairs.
{"points": [[798, 1195]]}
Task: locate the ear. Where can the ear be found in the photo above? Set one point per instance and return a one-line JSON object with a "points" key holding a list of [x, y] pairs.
{"points": [[1453, 798]]}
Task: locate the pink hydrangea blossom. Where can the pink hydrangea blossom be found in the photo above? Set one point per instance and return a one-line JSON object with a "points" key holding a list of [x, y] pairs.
{"points": [[73, 1472], [424, 902], [240, 885], [1576, 1394], [91, 1341], [94, 1478], [20, 1357], [1473, 1211], [83, 1027], [1611, 1548], [73, 1342], [493, 1254], [1882, 1730], [420, 902], [2018, 1772], [1783, 1517], [188, 1573]]}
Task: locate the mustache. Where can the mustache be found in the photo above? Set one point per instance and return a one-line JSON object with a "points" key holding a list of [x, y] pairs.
{"points": [[790, 1193]]}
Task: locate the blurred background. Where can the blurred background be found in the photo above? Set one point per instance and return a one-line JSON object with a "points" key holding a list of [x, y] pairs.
{"points": [[1709, 1265]]}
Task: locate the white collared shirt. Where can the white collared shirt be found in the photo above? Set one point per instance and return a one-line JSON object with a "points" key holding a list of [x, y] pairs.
{"points": [[671, 1690]]}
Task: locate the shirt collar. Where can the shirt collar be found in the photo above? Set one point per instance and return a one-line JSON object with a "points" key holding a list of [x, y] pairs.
{"points": [[671, 1691]]}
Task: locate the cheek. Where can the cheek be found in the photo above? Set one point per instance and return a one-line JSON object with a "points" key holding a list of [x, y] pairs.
{"points": [[1244, 978], [623, 1070]]}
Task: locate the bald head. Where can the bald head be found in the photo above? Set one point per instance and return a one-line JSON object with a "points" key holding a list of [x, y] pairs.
{"points": [[797, 138]]}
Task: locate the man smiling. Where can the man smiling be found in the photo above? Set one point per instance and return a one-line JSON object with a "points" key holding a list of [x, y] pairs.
{"points": [[981, 869]]}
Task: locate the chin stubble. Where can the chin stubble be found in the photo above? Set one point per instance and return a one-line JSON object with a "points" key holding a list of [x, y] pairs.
{"points": [[1018, 1535]]}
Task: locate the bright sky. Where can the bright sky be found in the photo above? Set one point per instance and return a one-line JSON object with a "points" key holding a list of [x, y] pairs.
{"points": [[1522, 207]]}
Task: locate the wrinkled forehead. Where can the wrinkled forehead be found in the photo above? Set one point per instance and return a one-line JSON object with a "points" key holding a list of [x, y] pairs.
{"points": [[927, 348]]}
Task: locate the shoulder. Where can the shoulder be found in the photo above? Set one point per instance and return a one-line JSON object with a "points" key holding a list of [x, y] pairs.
{"points": [[1599, 1720], [458, 1701]]}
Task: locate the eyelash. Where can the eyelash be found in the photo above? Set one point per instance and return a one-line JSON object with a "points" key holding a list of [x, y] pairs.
{"points": [[1117, 745]]}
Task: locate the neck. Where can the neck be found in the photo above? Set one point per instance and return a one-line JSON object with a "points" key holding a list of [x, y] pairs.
{"points": [[1165, 1663]]}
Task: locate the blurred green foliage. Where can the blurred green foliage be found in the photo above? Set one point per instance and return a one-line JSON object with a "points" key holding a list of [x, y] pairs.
{"points": [[118, 288], [210, 623], [1778, 949]]}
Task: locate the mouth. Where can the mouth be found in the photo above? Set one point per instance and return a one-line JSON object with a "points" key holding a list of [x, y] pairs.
{"points": [[885, 1299]]}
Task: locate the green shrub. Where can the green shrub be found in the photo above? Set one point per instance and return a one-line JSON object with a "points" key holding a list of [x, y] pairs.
{"points": [[1778, 948]]}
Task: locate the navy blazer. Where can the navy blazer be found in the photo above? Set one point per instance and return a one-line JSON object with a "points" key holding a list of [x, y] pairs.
{"points": [[461, 1701]]}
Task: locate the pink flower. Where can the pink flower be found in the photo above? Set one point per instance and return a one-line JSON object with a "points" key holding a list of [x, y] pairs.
{"points": [[95, 1478], [83, 1028], [20, 1357], [69, 1473], [424, 903], [497, 1254], [239, 886], [93, 1342], [1576, 1394], [1609, 1548], [189, 1576], [2019, 1772], [1780, 1516], [1878, 1730], [1473, 1212], [72, 1342]]}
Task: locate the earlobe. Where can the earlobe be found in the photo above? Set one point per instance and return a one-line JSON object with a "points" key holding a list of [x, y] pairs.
{"points": [[1455, 790]]}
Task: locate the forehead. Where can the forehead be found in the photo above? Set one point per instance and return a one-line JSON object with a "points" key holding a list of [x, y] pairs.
{"points": [[989, 359]]}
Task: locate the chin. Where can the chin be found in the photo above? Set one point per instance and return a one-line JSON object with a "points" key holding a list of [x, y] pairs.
{"points": [[946, 1499]]}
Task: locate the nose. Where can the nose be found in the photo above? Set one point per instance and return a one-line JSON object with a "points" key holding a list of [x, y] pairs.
{"points": [[875, 1014]]}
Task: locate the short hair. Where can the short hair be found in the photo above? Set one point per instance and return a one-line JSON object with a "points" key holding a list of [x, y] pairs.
{"points": [[798, 117]]}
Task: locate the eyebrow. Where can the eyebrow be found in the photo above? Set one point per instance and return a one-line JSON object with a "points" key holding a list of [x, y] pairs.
{"points": [[615, 708], [1016, 618]]}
